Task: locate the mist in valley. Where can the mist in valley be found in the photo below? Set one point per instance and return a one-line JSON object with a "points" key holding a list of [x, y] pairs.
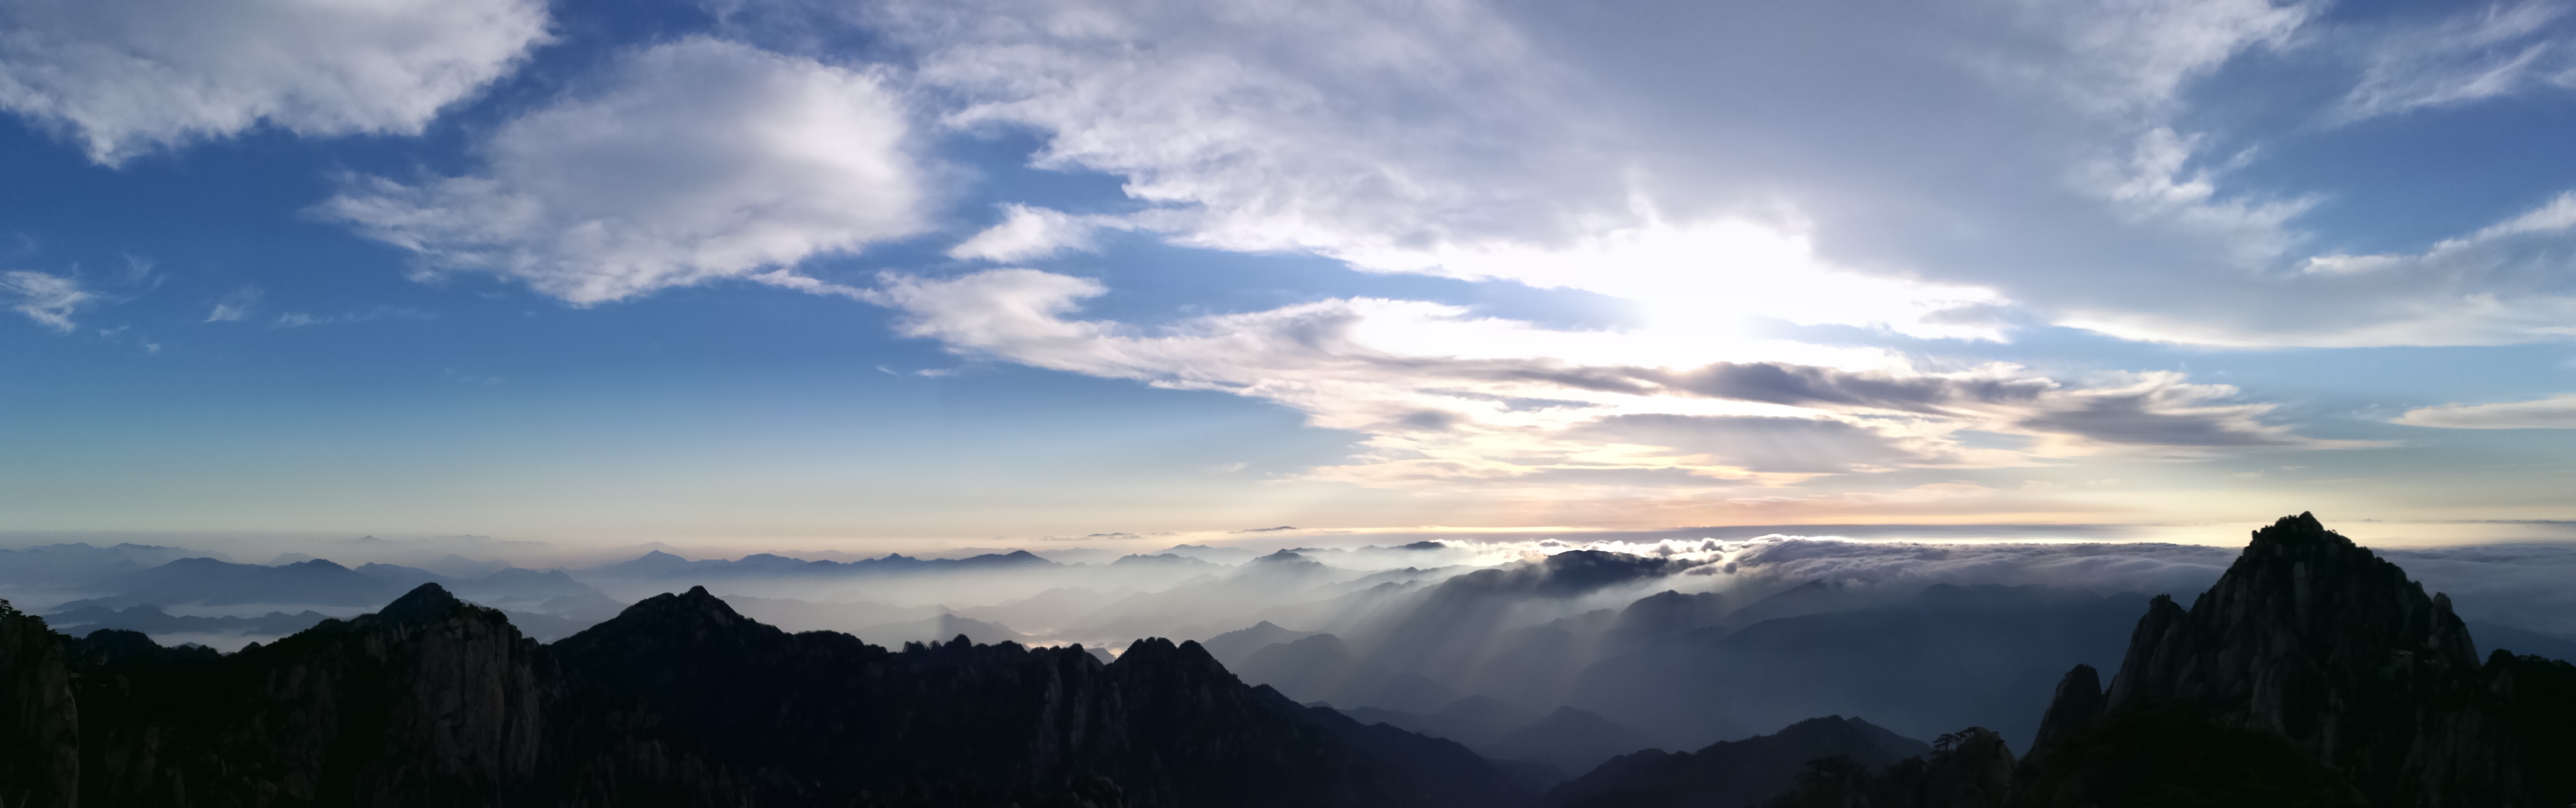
{"points": [[1552, 655]]}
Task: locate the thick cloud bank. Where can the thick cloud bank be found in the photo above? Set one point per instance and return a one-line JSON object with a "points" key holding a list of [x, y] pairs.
{"points": [[126, 77]]}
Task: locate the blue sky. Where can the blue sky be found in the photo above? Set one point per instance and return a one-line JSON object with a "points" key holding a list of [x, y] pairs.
{"points": [[903, 273]]}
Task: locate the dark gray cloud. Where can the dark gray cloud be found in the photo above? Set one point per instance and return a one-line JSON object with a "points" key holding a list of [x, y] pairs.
{"points": [[1776, 383], [2134, 419]]}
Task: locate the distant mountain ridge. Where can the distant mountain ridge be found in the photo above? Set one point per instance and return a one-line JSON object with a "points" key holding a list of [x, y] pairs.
{"points": [[658, 565], [1729, 774]]}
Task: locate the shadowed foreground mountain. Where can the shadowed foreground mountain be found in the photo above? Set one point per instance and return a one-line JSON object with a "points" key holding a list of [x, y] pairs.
{"points": [[679, 701], [2313, 674]]}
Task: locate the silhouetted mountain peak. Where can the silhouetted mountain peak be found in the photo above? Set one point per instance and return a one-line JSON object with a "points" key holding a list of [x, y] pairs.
{"points": [[2301, 531], [699, 603], [2314, 639], [694, 616], [1163, 654], [2077, 703], [424, 604]]}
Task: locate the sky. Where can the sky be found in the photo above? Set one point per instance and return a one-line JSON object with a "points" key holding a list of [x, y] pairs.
{"points": [[921, 273]]}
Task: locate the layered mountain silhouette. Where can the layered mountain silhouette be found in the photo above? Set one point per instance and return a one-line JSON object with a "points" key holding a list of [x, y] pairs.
{"points": [[2313, 672], [678, 701], [658, 565]]}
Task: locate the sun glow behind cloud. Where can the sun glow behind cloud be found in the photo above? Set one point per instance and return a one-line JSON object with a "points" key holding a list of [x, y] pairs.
{"points": [[2034, 264]]}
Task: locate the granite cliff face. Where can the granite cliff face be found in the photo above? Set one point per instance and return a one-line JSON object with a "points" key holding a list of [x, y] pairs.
{"points": [[2313, 638], [680, 701], [429, 702], [2333, 678]]}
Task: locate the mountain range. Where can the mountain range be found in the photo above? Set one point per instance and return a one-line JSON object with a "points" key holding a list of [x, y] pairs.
{"points": [[2313, 672]]}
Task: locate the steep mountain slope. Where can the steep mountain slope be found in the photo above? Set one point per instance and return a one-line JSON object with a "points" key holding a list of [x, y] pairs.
{"points": [[39, 721]]}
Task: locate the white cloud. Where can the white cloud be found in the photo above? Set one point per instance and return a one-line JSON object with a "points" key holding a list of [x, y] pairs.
{"points": [[47, 299], [2048, 169], [2555, 412], [1332, 126], [2134, 57], [234, 306], [2158, 184], [1408, 137], [125, 77], [298, 319], [1027, 233], [2483, 53], [688, 162]]}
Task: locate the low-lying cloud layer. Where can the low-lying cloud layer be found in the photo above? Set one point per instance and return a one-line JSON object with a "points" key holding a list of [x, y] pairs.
{"points": [[1681, 641]]}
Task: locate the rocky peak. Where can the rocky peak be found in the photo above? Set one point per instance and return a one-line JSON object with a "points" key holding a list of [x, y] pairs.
{"points": [[2315, 639], [2079, 700], [1186, 659], [424, 604], [695, 613]]}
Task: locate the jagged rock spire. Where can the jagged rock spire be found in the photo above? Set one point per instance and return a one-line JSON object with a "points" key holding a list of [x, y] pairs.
{"points": [[2079, 700]]}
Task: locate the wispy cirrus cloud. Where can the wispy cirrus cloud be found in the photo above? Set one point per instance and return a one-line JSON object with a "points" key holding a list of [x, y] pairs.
{"points": [[2475, 54], [48, 299], [2554, 412], [298, 319], [2500, 284], [234, 305]]}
